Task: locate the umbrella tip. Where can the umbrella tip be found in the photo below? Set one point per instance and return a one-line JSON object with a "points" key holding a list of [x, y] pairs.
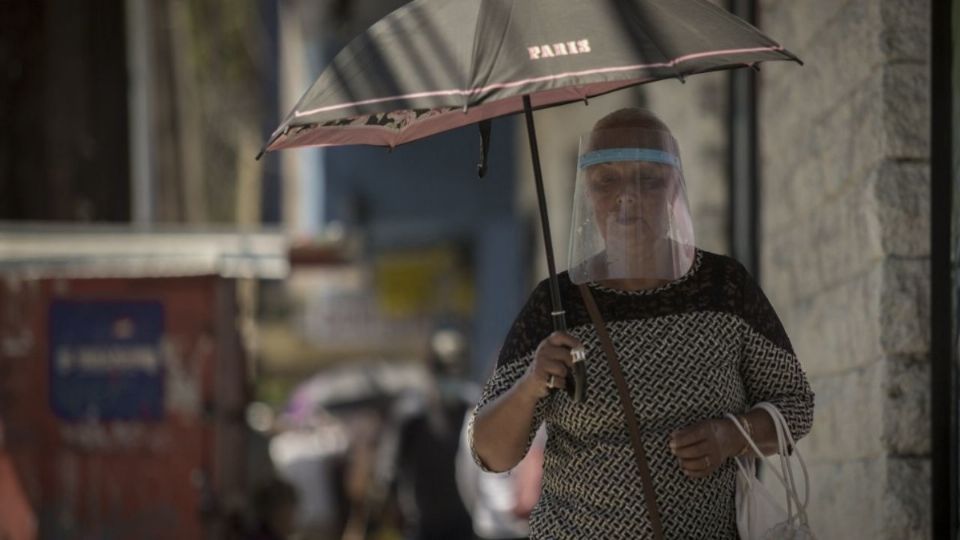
{"points": [[793, 57], [273, 138]]}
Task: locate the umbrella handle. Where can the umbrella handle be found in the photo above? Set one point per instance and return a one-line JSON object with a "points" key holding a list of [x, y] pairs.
{"points": [[579, 391], [576, 386]]}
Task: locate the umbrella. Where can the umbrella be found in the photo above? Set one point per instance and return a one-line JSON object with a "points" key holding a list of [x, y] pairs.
{"points": [[435, 65], [353, 385]]}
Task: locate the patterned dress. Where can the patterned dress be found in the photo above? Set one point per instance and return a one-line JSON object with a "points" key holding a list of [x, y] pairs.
{"points": [[698, 347]]}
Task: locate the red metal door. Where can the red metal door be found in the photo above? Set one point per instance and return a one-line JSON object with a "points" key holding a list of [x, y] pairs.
{"points": [[122, 401]]}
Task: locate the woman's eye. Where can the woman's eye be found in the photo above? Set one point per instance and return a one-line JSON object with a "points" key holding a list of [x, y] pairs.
{"points": [[605, 182], [608, 180], [653, 184]]}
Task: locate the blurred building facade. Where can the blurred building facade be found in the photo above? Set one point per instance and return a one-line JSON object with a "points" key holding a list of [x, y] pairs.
{"points": [[124, 376], [64, 153], [148, 115], [126, 170], [150, 112], [409, 201], [134, 110]]}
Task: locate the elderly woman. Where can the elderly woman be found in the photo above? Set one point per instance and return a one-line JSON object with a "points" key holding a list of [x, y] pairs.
{"points": [[695, 336]]}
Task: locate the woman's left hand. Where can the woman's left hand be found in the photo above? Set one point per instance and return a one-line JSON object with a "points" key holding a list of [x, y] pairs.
{"points": [[704, 446]]}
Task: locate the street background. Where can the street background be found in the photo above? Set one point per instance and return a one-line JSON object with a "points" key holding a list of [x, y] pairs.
{"points": [[180, 323]]}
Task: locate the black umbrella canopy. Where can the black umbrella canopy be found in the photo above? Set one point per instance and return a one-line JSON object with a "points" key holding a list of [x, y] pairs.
{"points": [[435, 65]]}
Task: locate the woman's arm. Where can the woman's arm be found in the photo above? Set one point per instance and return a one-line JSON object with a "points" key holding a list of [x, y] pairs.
{"points": [[771, 372], [502, 427], [762, 431]]}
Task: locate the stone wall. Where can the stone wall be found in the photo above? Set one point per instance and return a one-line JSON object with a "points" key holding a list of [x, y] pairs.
{"points": [[845, 249]]}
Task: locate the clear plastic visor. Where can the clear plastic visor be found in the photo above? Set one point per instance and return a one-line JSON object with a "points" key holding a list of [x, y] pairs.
{"points": [[631, 219]]}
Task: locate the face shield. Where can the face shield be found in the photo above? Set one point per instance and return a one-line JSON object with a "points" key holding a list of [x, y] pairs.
{"points": [[631, 219]]}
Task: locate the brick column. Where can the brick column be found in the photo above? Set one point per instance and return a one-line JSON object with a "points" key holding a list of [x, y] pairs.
{"points": [[845, 250]]}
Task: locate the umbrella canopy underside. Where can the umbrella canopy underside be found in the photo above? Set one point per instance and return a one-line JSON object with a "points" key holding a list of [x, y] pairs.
{"points": [[435, 65]]}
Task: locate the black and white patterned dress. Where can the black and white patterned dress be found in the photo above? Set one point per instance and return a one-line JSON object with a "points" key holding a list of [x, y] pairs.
{"points": [[698, 347]]}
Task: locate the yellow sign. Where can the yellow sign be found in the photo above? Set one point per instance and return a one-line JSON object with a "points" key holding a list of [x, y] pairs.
{"points": [[424, 282]]}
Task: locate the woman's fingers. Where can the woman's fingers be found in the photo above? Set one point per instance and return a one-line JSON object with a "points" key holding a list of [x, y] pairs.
{"points": [[557, 346], [554, 352], [550, 365], [562, 339], [695, 451], [538, 379], [555, 373], [688, 436], [557, 381], [699, 473], [700, 464]]}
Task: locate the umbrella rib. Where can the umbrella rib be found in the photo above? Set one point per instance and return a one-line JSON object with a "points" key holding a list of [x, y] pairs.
{"points": [[653, 42], [476, 47], [495, 86]]}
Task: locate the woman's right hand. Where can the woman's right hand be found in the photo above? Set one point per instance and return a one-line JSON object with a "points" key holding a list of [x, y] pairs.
{"points": [[552, 358]]}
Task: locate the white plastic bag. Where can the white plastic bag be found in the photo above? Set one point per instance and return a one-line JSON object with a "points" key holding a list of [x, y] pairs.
{"points": [[759, 516]]}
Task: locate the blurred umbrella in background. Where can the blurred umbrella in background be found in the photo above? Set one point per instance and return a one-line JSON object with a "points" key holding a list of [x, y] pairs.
{"points": [[354, 385], [436, 65]]}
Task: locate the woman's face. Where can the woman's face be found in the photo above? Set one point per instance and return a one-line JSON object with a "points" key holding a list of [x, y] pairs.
{"points": [[632, 200]]}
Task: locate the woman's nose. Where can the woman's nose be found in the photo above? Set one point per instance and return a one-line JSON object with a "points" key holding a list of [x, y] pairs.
{"points": [[626, 198]]}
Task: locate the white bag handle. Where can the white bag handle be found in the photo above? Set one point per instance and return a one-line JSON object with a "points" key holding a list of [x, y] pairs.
{"points": [[784, 443], [783, 429], [791, 495]]}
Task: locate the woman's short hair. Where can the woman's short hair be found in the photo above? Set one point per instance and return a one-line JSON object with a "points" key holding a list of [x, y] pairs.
{"points": [[631, 117]]}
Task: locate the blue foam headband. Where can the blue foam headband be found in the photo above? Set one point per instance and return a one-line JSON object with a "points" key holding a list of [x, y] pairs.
{"points": [[611, 155]]}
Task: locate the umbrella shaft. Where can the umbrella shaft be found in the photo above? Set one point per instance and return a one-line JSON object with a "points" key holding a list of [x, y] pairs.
{"points": [[559, 322]]}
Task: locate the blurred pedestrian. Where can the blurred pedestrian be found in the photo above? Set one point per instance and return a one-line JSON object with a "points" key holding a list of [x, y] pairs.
{"points": [[500, 503], [310, 454], [695, 339], [361, 481], [428, 441]]}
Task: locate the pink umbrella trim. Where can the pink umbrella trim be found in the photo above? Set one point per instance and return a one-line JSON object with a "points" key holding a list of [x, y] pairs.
{"points": [[496, 86]]}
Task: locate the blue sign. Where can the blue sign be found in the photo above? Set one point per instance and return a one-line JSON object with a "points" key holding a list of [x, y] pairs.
{"points": [[106, 360]]}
